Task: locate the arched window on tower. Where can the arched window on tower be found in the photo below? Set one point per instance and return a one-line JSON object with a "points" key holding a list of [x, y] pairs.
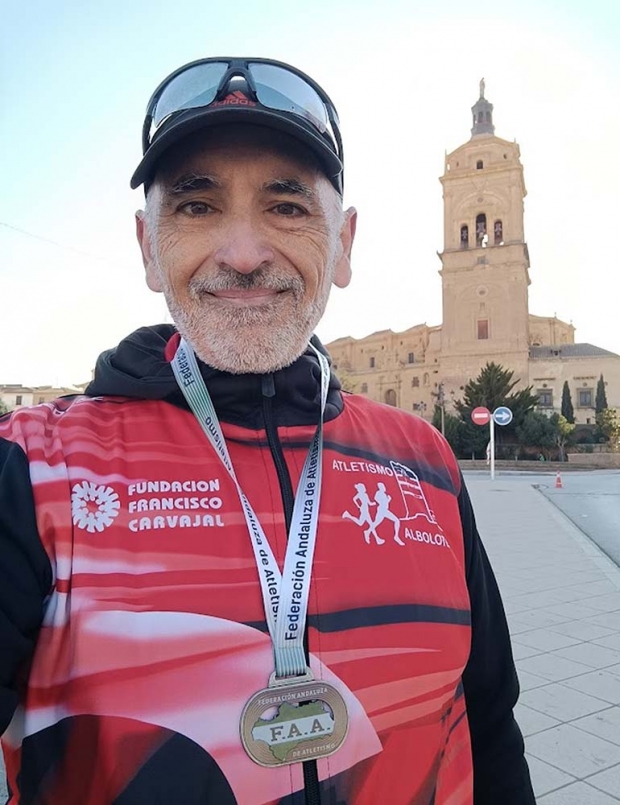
{"points": [[488, 116], [464, 237], [480, 117], [498, 233], [481, 229], [479, 165]]}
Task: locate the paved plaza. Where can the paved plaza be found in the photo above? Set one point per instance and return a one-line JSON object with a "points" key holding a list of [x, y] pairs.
{"points": [[562, 597]]}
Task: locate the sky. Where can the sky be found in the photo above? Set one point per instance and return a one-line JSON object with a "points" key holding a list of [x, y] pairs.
{"points": [[75, 77]]}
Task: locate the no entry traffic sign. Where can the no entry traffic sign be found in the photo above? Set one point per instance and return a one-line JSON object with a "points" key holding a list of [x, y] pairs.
{"points": [[481, 416]]}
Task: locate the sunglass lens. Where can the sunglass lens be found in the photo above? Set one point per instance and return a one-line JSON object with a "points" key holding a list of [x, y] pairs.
{"points": [[280, 89], [195, 87]]}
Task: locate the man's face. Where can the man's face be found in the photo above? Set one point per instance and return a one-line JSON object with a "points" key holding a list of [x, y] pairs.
{"points": [[244, 239]]}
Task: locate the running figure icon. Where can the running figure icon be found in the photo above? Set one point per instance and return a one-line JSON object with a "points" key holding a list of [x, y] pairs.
{"points": [[382, 499], [382, 502], [363, 503]]}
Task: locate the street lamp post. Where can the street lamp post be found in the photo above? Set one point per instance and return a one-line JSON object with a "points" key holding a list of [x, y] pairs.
{"points": [[441, 403]]}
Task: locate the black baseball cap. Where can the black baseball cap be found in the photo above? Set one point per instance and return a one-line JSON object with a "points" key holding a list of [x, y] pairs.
{"points": [[219, 91]]}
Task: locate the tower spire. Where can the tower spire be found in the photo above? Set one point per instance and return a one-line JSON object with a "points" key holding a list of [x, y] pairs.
{"points": [[482, 112]]}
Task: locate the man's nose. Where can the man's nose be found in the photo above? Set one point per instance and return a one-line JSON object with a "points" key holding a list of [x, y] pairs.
{"points": [[244, 248]]}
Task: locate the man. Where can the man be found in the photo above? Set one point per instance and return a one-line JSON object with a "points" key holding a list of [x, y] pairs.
{"points": [[187, 616]]}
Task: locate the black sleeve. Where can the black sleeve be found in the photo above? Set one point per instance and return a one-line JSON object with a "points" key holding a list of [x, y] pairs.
{"points": [[501, 774], [25, 575]]}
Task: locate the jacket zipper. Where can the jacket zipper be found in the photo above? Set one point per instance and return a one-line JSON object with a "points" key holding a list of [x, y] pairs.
{"points": [[311, 777]]}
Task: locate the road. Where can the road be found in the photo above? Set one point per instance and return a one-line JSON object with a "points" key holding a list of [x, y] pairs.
{"points": [[590, 499]]}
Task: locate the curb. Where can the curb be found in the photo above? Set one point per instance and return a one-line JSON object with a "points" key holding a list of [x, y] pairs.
{"points": [[597, 555]]}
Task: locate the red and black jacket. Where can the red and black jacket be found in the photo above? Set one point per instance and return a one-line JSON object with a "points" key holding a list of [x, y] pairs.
{"points": [[132, 629]]}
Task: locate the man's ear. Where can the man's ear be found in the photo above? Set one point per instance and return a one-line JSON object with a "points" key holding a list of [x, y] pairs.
{"points": [[152, 274], [342, 275]]}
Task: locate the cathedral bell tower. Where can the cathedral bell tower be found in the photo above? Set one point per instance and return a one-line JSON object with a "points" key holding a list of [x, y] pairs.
{"points": [[485, 261]]}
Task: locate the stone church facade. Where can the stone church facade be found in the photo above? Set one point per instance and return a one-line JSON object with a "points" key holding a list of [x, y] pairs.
{"points": [[485, 279]]}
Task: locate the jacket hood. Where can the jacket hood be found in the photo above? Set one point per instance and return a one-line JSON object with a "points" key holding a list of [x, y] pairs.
{"points": [[139, 368]]}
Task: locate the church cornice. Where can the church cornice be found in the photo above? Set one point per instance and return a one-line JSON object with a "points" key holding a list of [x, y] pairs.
{"points": [[460, 174], [482, 144]]}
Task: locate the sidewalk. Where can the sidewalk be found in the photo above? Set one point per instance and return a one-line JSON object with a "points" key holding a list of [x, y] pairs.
{"points": [[562, 598]]}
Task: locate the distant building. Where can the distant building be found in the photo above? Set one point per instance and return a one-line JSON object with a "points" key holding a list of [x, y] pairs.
{"points": [[485, 279], [18, 396]]}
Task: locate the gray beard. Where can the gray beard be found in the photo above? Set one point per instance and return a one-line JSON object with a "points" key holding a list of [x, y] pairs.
{"points": [[252, 340]]}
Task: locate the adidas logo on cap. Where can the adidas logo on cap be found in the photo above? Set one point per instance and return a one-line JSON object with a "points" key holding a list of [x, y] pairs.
{"points": [[236, 98]]}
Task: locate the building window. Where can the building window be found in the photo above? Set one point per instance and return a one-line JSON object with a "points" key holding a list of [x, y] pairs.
{"points": [[364, 388], [483, 329], [411, 358], [415, 383], [479, 165], [41, 400], [481, 229], [18, 399], [464, 237], [498, 233], [545, 398], [390, 397], [585, 398], [426, 378], [372, 363]]}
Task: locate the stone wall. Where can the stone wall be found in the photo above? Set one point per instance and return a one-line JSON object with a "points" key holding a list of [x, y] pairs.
{"points": [[595, 460]]}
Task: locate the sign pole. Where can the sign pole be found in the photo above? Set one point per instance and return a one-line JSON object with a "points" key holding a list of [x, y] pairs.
{"points": [[492, 447], [502, 416]]}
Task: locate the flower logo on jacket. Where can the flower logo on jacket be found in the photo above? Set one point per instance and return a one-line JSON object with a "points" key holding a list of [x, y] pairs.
{"points": [[93, 507]]}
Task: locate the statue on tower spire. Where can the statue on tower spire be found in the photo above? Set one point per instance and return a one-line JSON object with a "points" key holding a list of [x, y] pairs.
{"points": [[482, 112]]}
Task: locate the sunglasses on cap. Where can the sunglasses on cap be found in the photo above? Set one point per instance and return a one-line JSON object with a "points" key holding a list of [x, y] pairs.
{"points": [[264, 91]]}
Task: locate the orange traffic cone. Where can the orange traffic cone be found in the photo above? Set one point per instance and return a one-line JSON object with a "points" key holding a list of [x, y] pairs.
{"points": [[558, 481]]}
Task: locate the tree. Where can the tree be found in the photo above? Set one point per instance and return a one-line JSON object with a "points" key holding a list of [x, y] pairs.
{"points": [[537, 430], [3, 408], [608, 427], [453, 429], [347, 382], [494, 387], [474, 440], [601, 396], [563, 432], [568, 412], [466, 439]]}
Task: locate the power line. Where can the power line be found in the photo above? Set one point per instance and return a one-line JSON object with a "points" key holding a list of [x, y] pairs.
{"points": [[63, 246]]}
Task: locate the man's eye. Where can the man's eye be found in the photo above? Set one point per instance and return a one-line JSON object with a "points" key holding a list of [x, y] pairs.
{"points": [[290, 210], [195, 208]]}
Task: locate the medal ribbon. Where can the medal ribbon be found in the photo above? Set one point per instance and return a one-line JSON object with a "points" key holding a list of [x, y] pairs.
{"points": [[285, 595]]}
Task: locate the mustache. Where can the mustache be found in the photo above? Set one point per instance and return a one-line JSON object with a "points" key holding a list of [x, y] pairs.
{"points": [[228, 279]]}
